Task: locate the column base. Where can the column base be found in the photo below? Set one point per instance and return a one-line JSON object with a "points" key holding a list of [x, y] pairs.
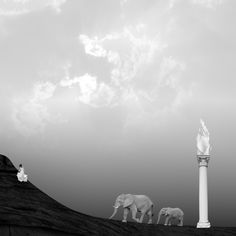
{"points": [[203, 225]]}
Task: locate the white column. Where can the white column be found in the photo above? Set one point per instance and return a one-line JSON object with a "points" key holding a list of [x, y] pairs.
{"points": [[203, 194]]}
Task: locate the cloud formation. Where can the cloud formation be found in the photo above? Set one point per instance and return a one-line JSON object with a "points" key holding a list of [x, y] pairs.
{"points": [[56, 4], [140, 75], [210, 4], [30, 116], [130, 53], [127, 50], [12, 8], [90, 91]]}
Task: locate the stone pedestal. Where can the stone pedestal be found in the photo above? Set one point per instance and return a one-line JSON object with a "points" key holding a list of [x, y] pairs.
{"points": [[203, 194]]}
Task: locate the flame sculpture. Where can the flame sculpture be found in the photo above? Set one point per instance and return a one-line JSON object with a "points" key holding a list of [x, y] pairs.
{"points": [[203, 145]]}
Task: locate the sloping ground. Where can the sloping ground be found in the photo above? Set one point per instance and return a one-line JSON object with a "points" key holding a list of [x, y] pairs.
{"points": [[128, 230], [25, 210]]}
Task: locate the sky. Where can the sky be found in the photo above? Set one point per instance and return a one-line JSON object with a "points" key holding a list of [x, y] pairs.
{"points": [[99, 98]]}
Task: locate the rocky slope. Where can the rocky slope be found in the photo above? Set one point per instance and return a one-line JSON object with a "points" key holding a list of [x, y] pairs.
{"points": [[25, 210]]}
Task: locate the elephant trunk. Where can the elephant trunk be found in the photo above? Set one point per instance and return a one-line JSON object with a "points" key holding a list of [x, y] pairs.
{"points": [[159, 217], [114, 212]]}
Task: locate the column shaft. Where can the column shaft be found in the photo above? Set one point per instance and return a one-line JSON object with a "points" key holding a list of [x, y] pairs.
{"points": [[203, 192], [203, 197]]}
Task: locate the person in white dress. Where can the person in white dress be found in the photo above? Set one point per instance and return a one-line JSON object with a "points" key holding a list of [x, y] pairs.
{"points": [[22, 177]]}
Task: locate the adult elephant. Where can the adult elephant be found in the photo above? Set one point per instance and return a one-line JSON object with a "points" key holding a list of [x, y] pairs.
{"points": [[171, 214], [135, 203]]}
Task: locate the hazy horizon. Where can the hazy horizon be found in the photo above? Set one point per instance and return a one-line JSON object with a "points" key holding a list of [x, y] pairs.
{"points": [[103, 98]]}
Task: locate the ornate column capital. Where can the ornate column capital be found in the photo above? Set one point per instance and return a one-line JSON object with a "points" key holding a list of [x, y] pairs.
{"points": [[203, 160]]}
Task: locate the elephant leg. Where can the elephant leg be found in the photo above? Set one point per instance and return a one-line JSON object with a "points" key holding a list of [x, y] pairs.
{"points": [[134, 213], [170, 219], [167, 220], [142, 216], [126, 212], [150, 217], [180, 221]]}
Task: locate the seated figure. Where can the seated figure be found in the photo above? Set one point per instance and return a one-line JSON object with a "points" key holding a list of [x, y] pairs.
{"points": [[22, 177]]}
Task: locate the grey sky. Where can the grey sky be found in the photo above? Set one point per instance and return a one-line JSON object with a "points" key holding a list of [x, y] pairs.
{"points": [[103, 97]]}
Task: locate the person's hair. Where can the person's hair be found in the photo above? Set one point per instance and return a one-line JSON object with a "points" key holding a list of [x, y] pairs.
{"points": [[20, 165]]}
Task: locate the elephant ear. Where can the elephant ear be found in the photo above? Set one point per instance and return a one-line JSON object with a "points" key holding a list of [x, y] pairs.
{"points": [[128, 201], [166, 210]]}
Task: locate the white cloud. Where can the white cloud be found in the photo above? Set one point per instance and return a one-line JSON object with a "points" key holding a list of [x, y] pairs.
{"points": [[56, 4], [208, 3], [211, 4], [11, 8], [165, 97], [90, 91], [43, 91], [13, 12], [104, 96], [139, 50], [21, 1], [130, 52], [172, 3], [182, 96], [67, 82], [30, 116], [170, 92], [123, 2], [169, 72], [92, 46], [88, 86]]}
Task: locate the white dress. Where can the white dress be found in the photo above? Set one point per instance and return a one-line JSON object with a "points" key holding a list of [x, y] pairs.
{"points": [[22, 177]]}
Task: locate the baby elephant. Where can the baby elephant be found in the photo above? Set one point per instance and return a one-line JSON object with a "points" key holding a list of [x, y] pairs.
{"points": [[171, 214]]}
